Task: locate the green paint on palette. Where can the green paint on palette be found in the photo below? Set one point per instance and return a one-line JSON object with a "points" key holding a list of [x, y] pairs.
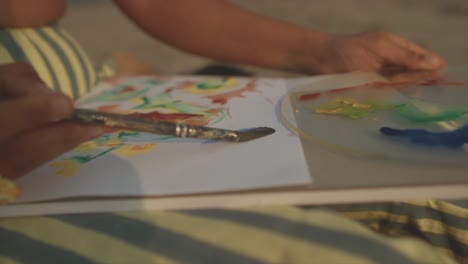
{"points": [[423, 112]]}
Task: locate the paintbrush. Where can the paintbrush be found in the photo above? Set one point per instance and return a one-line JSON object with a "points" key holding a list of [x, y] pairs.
{"points": [[128, 122]]}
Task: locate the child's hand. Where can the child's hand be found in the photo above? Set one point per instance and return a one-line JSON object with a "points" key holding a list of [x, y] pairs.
{"points": [[31, 117], [373, 51]]}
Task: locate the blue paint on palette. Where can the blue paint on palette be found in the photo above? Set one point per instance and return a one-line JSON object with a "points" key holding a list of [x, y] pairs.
{"points": [[451, 139]]}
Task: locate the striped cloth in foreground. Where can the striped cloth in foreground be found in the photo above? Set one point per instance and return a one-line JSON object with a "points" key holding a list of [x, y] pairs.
{"points": [[443, 224], [256, 235]]}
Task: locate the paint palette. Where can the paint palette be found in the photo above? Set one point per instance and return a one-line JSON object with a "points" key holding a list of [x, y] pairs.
{"points": [[367, 116]]}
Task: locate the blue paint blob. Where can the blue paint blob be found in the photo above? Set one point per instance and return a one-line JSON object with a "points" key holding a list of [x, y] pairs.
{"points": [[451, 139]]}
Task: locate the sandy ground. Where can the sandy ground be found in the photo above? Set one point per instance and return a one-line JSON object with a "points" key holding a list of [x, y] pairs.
{"points": [[440, 25]]}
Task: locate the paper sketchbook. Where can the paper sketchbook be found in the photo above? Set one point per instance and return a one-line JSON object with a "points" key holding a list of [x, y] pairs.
{"points": [[126, 163], [127, 170]]}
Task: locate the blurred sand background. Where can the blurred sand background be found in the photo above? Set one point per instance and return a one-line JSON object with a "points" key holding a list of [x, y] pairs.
{"points": [[440, 25]]}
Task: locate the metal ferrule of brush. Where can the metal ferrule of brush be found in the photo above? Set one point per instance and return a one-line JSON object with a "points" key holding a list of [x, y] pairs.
{"points": [[184, 130]]}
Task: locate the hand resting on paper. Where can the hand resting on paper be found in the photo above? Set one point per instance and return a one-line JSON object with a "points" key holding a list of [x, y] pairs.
{"points": [[31, 117]]}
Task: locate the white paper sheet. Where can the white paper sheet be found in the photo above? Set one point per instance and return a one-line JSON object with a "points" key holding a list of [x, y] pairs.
{"points": [[151, 165]]}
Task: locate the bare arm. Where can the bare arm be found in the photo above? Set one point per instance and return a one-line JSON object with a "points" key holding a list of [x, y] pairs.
{"points": [[30, 13], [225, 32]]}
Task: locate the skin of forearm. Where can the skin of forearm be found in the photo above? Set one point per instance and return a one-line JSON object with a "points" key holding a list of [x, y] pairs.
{"points": [[225, 32], [30, 13]]}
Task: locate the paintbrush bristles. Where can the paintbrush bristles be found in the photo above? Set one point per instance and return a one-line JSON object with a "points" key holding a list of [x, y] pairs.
{"points": [[255, 133]]}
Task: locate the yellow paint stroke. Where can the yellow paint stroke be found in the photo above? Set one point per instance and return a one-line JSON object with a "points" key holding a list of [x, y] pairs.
{"points": [[212, 85], [89, 146], [66, 168], [9, 191], [134, 150]]}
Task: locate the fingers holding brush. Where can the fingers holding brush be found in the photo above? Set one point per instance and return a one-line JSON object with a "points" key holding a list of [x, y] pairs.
{"points": [[34, 122]]}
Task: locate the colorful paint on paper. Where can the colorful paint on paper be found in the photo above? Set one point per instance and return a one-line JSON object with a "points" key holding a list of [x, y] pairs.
{"points": [[137, 98], [212, 85], [224, 98]]}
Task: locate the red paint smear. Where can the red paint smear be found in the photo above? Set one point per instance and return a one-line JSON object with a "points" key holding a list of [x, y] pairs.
{"points": [[128, 89], [110, 129], [309, 97], [110, 108], [399, 85], [179, 87], [266, 98], [225, 97], [373, 85], [380, 85]]}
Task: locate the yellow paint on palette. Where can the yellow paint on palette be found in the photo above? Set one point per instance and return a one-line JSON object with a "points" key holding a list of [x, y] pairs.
{"points": [[212, 85], [345, 106]]}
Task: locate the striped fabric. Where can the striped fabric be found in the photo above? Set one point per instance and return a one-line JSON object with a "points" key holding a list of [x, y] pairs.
{"points": [[55, 55], [256, 235], [441, 223]]}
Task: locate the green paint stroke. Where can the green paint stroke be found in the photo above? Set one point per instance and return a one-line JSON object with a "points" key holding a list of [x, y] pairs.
{"points": [[211, 84], [125, 91], [88, 158]]}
